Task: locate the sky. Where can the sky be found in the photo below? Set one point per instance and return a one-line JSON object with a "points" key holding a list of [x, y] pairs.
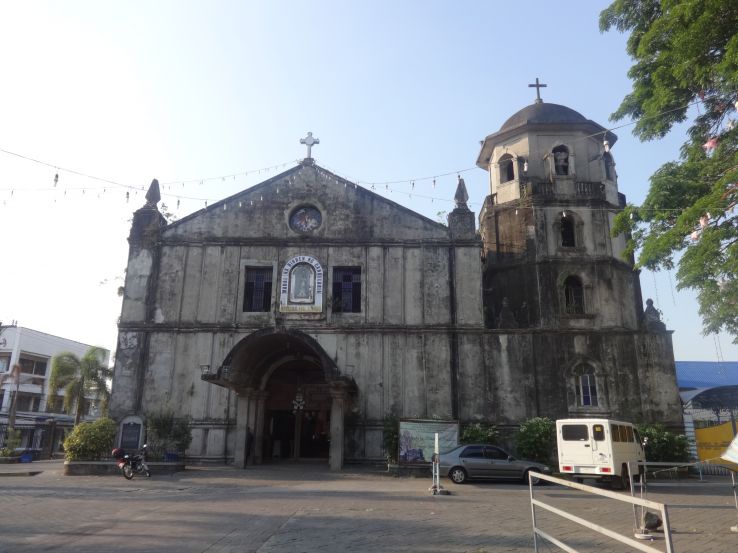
{"points": [[211, 98]]}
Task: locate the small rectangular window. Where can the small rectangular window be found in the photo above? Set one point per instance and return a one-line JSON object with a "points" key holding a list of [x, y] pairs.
{"points": [[574, 432], [474, 451], [598, 432], [637, 436], [258, 293], [495, 453], [629, 434], [33, 366], [347, 289], [28, 402], [615, 431]]}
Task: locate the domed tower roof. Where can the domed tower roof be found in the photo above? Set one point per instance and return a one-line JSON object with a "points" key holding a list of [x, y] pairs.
{"points": [[541, 116], [542, 113]]}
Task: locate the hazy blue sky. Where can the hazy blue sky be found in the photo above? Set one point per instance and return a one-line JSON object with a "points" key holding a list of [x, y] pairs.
{"points": [[190, 91]]}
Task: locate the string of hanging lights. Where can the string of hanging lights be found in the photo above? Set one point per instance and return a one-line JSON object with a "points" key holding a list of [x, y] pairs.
{"points": [[388, 186]]}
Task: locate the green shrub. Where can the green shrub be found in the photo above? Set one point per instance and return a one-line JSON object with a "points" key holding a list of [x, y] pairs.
{"points": [[664, 446], [166, 433], [12, 441], [90, 441], [478, 433], [391, 438], [536, 439]]}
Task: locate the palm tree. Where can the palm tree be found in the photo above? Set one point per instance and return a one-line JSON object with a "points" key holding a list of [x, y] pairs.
{"points": [[80, 378]]}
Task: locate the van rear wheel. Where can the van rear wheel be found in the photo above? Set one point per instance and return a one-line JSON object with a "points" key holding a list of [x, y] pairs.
{"points": [[621, 482]]}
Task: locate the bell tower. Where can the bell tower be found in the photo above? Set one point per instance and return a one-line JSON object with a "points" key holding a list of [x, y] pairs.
{"points": [[549, 258]]}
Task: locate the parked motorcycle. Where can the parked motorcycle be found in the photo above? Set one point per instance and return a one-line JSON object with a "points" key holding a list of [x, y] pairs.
{"points": [[131, 465]]}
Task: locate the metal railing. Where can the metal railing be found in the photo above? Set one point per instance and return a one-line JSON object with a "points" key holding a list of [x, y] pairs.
{"points": [[635, 544]]}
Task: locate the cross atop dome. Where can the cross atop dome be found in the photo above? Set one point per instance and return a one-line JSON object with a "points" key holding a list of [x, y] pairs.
{"points": [[538, 86]]}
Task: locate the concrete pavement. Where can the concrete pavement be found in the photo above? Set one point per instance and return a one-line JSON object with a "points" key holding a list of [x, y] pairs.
{"points": [[306, 508]]}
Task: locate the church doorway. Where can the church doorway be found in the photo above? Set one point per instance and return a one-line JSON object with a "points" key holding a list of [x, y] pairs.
{"points": [[297, 413], [291, 398]]}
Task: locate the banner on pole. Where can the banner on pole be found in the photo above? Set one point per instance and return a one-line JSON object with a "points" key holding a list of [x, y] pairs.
{"points": [[418, 439]]}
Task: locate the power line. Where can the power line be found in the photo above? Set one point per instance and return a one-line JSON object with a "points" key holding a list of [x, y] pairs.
{"points": [[362, 182]]}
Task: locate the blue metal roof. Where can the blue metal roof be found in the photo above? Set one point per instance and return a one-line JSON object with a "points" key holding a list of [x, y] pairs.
{"points": [[706, 374]]}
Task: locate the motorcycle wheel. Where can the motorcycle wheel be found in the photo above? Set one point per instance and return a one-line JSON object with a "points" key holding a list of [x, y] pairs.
{"points": [[128, 472]]}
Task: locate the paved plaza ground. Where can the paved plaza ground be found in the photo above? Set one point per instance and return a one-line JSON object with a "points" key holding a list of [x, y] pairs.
{"points": [[305, 508]]}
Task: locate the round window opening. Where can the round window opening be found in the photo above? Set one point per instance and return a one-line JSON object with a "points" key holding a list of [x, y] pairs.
{"points": [[305, 219]]}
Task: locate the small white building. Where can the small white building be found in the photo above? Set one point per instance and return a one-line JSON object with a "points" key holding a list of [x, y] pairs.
{"points": [[33, 351]]}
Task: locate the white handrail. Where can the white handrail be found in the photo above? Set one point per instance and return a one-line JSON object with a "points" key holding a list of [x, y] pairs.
{"points": [[640, 546]]}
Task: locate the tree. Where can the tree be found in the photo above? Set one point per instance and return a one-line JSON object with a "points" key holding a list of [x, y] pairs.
{"points": [[685, 56], [536, 439], [80, 378], [479, 433], [663, 446]]}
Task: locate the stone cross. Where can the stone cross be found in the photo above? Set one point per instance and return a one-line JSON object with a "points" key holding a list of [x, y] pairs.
{"points": [[538, 86], [309, 141]]}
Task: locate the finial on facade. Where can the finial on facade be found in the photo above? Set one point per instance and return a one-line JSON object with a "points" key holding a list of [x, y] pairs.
{"points": [[538, 86], [309, 141], [153, 196], [461, 196]]}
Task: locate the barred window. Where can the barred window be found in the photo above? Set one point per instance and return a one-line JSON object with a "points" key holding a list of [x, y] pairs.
{"points": [[586, 389], [347, 289], [258, 293], [574, 296]]}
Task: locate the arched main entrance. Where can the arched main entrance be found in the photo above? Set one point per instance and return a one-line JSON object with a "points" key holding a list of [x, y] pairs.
{"points": [[291, 398]]}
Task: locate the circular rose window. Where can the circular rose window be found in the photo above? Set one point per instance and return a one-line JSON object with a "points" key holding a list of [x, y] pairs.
{"points": [[305, 219]]}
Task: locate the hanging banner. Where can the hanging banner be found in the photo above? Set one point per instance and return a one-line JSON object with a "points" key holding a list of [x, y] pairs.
{"points": [[418, 439]]}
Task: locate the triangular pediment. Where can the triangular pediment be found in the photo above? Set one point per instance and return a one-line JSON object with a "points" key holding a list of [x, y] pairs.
{"points": [[307, 202]]}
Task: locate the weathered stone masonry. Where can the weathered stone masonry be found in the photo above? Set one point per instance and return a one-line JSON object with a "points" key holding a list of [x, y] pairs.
{"points": [[500, 325]]}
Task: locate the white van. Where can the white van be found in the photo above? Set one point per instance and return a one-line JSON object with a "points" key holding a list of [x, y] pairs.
{"points": [[598, 448]]}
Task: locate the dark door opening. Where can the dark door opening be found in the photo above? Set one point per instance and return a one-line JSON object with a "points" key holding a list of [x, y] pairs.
{"points": [[280, 437], [315, 434], [313, 427]]}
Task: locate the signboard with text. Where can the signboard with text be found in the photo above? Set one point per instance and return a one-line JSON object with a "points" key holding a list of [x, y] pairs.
{"points": [[417, 439]]}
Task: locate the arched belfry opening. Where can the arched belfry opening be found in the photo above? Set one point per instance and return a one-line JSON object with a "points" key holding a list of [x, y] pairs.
{"points": [[291, 398]]}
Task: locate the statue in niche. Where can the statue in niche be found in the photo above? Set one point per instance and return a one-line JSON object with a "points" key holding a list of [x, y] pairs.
{"points": [[523, 321], [652, 318], [561, 160], [301, 284], [506, 318]]}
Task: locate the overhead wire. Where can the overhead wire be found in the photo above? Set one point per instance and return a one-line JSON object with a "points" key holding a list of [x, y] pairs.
{"points": [[361, 182]]}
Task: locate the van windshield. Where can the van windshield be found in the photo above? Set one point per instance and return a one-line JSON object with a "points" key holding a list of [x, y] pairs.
{"points": [[574, 432]]}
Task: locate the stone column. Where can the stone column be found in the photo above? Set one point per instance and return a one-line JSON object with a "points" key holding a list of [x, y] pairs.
{"points": [[244, 421], [339, 397], [259, 418], [298, 434]]}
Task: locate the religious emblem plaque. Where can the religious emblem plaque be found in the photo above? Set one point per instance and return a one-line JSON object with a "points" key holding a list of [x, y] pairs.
{"points": [[305, 219]]}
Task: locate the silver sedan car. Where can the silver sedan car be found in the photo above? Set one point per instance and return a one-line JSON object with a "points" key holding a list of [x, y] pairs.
{"points": [[485, 461]]}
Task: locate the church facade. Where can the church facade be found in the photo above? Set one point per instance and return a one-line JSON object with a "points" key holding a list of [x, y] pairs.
{"points": [[294, 330]]}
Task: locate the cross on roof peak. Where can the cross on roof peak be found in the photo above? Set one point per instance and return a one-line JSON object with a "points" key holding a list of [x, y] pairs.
{"points": [[538, 86], [309, 141]]}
